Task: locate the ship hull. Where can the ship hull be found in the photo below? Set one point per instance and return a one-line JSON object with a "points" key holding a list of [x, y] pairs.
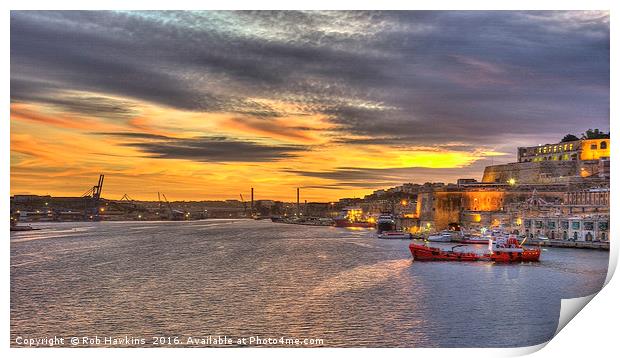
{"points": [[427, 253], [394, 235], [525, 256], [347, 223]]}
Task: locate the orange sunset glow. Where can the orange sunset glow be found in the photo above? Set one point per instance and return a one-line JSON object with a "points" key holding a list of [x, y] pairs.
{"points": [[203, 106]]}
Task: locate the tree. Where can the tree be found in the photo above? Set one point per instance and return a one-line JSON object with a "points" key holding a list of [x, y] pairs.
{"points": [[569, 138], [594, 134]]}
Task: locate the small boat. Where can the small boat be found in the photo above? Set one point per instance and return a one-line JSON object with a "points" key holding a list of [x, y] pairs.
{"points": [[395, 235], [22, 228], [501, 250], [474, 240], [443, 236], [16, 227]]}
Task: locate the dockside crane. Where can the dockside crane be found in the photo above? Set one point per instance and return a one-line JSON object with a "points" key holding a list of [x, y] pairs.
{"points": [[170, 212], [94, 194], [245, 205]]}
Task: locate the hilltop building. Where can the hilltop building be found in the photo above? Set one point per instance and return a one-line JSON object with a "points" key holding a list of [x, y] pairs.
{"points": [[553, 163]]}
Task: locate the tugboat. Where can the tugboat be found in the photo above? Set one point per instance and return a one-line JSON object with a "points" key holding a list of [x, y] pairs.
{"points": [[504, 249], [508, 249]]}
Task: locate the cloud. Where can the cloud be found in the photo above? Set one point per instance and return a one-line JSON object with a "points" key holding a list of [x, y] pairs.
{"points": [[216, 149], [428, 76], [133, 135], [376, 178], [81, 104]]}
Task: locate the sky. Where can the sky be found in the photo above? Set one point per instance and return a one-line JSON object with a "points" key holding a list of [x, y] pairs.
{"points": [[205, 105]]}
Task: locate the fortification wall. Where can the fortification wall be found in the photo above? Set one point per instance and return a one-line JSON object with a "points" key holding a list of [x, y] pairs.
{"points": [[545, 172]]}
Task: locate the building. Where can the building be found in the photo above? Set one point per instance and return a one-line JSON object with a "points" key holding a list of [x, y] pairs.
{"points": [[554, 163], [585, 149], [560, 191], [573, 228]]}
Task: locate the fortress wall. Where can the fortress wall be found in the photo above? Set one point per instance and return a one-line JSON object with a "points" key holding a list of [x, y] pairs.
{"points": [[532, 172]]}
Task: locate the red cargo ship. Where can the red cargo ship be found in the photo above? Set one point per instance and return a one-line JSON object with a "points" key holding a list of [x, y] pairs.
{"points": [[502, 250]]}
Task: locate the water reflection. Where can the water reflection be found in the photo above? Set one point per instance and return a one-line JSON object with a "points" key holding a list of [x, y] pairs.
{"points": [[242, 278]]}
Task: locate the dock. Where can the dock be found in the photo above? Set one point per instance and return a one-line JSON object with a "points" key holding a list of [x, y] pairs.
{"points": [[593, 245]]}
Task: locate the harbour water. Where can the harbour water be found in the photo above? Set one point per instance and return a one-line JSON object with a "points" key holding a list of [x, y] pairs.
{"points": [[243, 278]]}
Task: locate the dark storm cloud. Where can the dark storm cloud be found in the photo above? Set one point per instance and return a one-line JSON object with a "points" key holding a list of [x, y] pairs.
{"points": [[133, 135], [216, 149], [377, 178], [429, 76], [84, 105]]}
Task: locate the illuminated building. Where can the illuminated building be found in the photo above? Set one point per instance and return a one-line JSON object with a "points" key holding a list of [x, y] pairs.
{"points": [[585, 149], [583, 215], [553, 163]]}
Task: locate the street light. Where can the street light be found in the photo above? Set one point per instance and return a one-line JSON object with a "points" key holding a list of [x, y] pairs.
{"points": [[512, 181]]}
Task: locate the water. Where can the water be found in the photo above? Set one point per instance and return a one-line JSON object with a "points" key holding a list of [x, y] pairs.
{"points": [[245, 278]]}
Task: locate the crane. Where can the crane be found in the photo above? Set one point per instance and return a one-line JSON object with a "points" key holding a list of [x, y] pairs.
{"points": [[95, 191], [245, 205], [94, 194], [159, 196]]}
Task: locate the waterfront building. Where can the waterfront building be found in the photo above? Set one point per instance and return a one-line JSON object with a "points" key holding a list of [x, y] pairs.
{"points": [[583, 215], [566, 227]]}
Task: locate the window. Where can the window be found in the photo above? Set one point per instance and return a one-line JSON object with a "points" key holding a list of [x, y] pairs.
{"points": [[588, 225], [551, 225], [603, 225], [565, 225], [576, 225], [528, 223], [593, 146], [570, 147], [565, 146], [539, 224], [603, 145]]}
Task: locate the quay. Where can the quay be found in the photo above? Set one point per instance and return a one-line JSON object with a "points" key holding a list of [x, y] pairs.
{"points": [[594, 245]]}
